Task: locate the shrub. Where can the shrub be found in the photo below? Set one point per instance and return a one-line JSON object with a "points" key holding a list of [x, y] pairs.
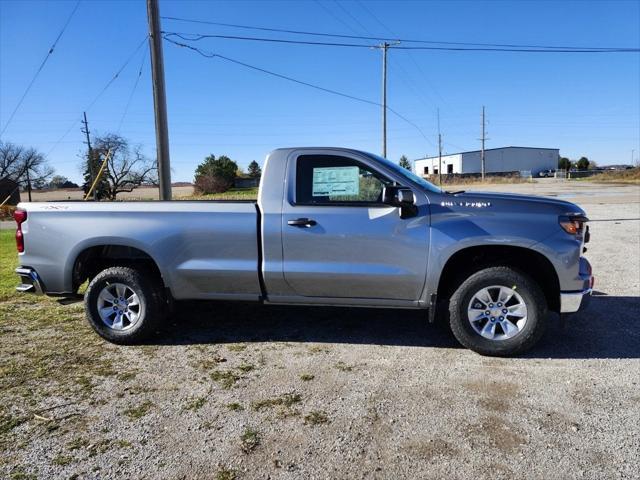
{"points": [[215, 175], [211, 184]]}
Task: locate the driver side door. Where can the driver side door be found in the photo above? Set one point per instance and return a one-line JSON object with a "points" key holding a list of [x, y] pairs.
{"points": [[340, 241]]}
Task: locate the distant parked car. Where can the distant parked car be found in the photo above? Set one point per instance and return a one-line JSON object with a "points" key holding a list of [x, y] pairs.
{"points": [[547, 173]]}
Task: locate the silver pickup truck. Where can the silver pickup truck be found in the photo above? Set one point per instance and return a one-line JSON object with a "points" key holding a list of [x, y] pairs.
{"points": [[330, 227]]}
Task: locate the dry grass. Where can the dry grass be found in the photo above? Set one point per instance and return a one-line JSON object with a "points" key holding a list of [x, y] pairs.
{"points": [[489, 180], [631, 176]]}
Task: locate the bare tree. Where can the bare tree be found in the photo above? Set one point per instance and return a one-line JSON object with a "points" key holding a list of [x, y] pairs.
{"points": [[127, 167], [17, 161]]}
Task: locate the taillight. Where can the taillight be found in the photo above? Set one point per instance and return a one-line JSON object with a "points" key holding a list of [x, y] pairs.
{"points": [[20, 217], [572, 224]]}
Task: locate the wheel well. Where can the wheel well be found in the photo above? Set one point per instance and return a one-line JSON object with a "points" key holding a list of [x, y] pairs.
{"points": [[94, 259], [470, 260]]}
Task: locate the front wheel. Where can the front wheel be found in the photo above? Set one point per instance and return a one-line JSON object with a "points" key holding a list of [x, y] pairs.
{"points": [[124, 305], [498, 311]]}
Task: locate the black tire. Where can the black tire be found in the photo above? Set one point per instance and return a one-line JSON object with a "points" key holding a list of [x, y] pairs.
{"points": [[525, 286], [151, 304]]}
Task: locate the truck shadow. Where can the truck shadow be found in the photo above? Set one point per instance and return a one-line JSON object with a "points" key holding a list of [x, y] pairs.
{"points": [[608, 328], [235, 322]]}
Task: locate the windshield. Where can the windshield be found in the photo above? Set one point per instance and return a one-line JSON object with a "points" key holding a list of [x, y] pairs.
{"points": [[408, 174]]}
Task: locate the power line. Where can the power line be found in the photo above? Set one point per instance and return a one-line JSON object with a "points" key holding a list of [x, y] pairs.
{"points": [[200, 36], [195, 37], [42, 64], [383, 38], [409, 53], [327, 10], [97, 97], [133, 90], [294, 80]]}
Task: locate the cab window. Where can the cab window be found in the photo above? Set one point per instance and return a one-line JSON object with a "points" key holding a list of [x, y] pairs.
{"points": [[336, 180]]}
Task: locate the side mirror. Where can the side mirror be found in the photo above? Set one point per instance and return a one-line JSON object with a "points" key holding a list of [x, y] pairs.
{"points": [[401, 197]]}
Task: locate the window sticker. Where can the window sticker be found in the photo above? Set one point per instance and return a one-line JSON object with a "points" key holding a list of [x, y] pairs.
{"points": [[331, 181]]}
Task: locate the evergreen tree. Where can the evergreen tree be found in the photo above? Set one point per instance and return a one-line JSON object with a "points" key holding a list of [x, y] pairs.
{"points": [[404, 162], [583, 163], [254, 169], [564, 163]]}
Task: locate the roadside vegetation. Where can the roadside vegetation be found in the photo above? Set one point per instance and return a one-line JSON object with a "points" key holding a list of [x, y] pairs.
{"points": [[631, 176], [489, 179], [231, 194]]}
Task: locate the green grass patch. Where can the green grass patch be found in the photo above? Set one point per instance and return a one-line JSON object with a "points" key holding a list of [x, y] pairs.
{"points": [[226, 474], [8, 263], [249, 440], [307, 377], [287, 400], [316, 417], [226, 378], [134, 413], [231, 194], [235, 407], [61, 460], [78, 443], [196, 404], [246, 367], [343, 367], [236, 347]]}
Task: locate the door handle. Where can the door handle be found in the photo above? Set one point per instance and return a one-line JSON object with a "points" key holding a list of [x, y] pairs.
{"points": [[302, 222]]}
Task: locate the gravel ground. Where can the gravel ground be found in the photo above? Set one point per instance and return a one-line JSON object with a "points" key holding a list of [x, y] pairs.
{"points": [[242, 391]]}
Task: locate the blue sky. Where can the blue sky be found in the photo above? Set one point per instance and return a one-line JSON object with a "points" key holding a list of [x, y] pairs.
{"points": [[584, 104]]}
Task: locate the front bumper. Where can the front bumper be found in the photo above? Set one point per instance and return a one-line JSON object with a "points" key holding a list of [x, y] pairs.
{"points": [[30, 281], [571, 302]]}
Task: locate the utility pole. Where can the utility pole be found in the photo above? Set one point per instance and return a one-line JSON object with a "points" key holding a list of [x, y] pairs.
{"points": [[28, 182], [483, 139], [85, 130], [159, 99], [439, 152], [384, 46]]}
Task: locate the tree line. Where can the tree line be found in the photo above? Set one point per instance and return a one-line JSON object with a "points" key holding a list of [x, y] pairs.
{"points": [[125, 167], [217, 175], [583, 163]]}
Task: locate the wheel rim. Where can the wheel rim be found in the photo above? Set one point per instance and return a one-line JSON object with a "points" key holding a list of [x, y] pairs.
{"points": [[497, 312], [119, 306]]}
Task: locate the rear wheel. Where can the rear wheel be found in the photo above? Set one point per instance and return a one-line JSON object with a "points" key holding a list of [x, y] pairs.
{"points": [[124, 305], [498, 311]]}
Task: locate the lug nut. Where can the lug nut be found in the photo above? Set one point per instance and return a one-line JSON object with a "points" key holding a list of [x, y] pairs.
{"points": [[504, 310]]}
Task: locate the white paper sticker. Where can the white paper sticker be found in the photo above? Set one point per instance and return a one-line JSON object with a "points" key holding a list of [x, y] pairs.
{"points": [[331, 181]]}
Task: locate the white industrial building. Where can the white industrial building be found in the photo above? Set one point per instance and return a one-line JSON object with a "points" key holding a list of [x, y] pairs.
{"points": [[496, 160]]}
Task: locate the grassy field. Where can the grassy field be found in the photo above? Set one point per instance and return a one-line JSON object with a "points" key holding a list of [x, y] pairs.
{"points": [[631, 176], [232, 194], [489, 180], [46, 355]]}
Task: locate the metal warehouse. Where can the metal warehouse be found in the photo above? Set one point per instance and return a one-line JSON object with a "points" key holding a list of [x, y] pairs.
{"points": [[497, 160]]}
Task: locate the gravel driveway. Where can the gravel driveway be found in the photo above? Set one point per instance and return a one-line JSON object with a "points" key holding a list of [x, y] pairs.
{"points": [[241, 391]]}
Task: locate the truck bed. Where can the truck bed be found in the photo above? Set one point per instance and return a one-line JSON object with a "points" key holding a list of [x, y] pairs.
{"points": [[205, 249]]}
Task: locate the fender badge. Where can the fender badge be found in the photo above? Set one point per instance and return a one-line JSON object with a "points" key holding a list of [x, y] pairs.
{"points": [[465, 204]]}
